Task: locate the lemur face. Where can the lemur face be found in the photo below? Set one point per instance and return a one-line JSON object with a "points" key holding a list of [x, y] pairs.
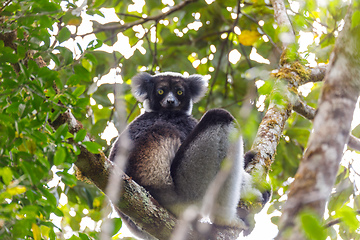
{"points": [[168, 91], [170, 94]]}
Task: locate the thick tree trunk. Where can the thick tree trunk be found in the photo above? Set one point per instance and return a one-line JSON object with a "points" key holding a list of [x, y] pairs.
{"points": [[318, 169]]}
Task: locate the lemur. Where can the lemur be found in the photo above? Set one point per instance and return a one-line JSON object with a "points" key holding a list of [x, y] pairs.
{"points": [[174, 156]]}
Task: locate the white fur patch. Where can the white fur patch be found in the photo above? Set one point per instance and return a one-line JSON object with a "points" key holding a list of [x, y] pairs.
{"points": [[146, 105], [189, 110]]}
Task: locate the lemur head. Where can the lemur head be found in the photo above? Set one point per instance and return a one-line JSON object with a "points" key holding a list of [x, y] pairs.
{"points": [[168, 91]]}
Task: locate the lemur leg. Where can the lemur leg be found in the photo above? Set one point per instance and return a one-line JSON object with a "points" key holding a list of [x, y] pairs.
{"points": [[229, 181], [200, 158]]}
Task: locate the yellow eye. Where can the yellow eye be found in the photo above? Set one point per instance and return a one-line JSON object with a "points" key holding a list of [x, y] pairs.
{"points": [[160, 92], [179, 92]]}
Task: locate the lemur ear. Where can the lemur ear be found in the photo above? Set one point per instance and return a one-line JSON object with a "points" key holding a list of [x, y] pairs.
{"points": [[140, 86], [198, 86]]}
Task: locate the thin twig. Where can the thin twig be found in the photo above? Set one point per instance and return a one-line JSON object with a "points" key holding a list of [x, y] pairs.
{"points": [[194, 41], [354, 142], [304, 110], [222, 53], [336, 221], [124, 27], [283, 20], [318, 73], [311, 18], [130, 15], [5, 5], [34, 15], [132, 111], [246, 56], [309, 113]]}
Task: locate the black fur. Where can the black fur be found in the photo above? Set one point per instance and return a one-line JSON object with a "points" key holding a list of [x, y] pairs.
{"points": [[248, 157], [147, 133], [157, 134], [212, 117], [172, 155]]}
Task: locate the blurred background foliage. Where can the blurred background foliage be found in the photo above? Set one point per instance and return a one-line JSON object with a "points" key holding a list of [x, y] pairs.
{"points": [[57, 55]]}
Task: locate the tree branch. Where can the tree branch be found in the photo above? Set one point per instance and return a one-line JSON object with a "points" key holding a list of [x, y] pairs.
{"points": [[319, 166], [337, 221], [267, 139], [5, 4], [303, 109], [284, 23], [354, 142], [317, 74], [124, 27], [309, 112], [272, 125]]}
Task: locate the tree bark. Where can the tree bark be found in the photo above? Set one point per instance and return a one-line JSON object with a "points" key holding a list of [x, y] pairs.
{"points": [[319, 166], [273, 123]]}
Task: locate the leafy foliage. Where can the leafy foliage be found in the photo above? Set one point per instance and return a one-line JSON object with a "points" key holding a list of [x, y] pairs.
{"points": [[53, 59]]}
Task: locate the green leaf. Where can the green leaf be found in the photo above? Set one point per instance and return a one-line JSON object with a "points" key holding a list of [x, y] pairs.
{"points": [[67, 178], [82, 72], [21, 51], [94, 44], [61, 132], [5, 119], [39, 136], [65, 55], [64, 34], [91, 58], [6, 175], [7, 55], [21, 229], [93, 147], [312, 227], [73, 80], [60, 155], [49, 196], [266, 88], [74, 237], [348, 216], [98, 3], [341, 195], [83, 236], [355, 19], [58, 212], [117, 225], [299, 134], [102, 99], [87, 64], [16, 190], [32, 172], [31, 211], [55, 59], [79, 90], [14, 7], [80, 135]]}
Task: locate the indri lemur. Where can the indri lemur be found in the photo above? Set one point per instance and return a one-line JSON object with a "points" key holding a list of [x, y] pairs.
{"points": [[176, 157]]}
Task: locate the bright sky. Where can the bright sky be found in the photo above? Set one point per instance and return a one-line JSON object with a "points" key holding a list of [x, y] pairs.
{"points": [[264, 229]]}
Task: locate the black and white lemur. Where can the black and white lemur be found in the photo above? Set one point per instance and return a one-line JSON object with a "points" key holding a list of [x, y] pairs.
{"points": [[174, 156]]}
